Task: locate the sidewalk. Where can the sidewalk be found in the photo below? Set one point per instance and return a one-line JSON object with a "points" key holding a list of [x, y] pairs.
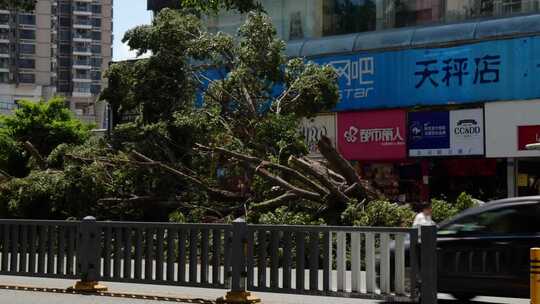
{"points": [[184, 294]]}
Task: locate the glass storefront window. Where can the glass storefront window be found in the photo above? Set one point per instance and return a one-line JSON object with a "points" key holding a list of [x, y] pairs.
{"points": [[301, 19]]}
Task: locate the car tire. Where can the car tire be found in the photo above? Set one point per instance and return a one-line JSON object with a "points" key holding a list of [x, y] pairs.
{"points": [[463, 297]]}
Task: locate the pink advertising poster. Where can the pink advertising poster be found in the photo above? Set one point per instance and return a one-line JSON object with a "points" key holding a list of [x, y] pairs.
{"points": [[372, 135]]}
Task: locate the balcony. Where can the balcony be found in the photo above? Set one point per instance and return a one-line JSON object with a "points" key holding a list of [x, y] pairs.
{"points": [[82, 51], [82, 64], [85, 24], [82, 38], [82, 10], [81, 94], [82, 79]]}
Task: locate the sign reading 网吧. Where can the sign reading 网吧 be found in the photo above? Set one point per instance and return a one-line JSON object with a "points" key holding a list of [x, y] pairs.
{"points": [[479, 72], [372, 135], [446, 133]]}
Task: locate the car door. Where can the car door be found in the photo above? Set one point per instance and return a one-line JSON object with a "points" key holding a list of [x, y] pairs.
{"points": [[481, 252]]}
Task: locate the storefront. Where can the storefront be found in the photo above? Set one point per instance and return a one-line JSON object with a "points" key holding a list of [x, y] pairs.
{"points": [[510, 126], [376, 141], [451, 145]]}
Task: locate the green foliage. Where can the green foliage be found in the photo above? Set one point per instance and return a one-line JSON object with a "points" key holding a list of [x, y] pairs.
{"points": [[214, 6], [45, 125], [23, 5], [13, 159], [442, 210], [177, 217], [465, 201], [283, 216], [378, 213]]}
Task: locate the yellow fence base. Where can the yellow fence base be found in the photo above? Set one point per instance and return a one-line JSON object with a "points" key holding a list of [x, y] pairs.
{"points": [[236, 297], [81, 286], [535, 275]]}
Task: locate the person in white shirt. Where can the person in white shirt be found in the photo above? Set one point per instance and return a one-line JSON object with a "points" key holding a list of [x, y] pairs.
{"points": [[423, 218]]}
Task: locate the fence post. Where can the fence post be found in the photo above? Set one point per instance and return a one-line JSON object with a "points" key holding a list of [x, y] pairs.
{"points": [[88, 257], [238, 293], [428, 264], [535, 275]]}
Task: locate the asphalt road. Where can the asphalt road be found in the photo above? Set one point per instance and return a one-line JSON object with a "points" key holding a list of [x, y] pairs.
{"points": [[172, 294]]}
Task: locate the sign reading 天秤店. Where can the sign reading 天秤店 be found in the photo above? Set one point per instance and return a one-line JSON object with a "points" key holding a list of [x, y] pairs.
{"points": [[446, 133], [480, 72], [312, 129]]}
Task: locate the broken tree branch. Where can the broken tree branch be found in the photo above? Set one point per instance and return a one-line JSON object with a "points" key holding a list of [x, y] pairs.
{"points": [[42, 163], [220, 193]]}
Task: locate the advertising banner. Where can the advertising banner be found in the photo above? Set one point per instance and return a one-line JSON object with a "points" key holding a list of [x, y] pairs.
{"points": [[446, 133], [528, 135], [312, 129], [372, 135]]}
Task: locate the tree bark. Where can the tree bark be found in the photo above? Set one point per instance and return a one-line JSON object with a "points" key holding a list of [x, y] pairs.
{"points": [[42, 163]]}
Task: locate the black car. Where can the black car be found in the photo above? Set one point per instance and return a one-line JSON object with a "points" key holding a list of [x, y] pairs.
{"points": [[485, 250]]}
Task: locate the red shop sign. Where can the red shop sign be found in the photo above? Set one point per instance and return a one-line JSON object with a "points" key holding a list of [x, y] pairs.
{"points": [[372, 135], [528, 135]]}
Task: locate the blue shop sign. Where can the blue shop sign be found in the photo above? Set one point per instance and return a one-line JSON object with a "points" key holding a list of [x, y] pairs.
{"points": [[480, 72], [429, 130]]}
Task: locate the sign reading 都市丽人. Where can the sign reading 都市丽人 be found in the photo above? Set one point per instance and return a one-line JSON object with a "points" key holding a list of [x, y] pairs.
{"points": [[446, 133]]}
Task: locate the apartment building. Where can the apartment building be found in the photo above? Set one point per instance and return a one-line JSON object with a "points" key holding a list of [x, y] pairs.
{"points": [[61, 48]]}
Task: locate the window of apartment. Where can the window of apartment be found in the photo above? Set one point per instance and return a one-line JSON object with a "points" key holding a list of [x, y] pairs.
{"points": [[65, 21], [95, 89], [27, 78], [4, 77], [4, 63], [26, 63], [96, 22], [96, 75], [4, 18], [4, 48], [65, 49], [82, 34], [82, 7], [96, 48], [65, 8], [64, 62], [81, 60], [81, 87], [65, 35], [27, 19], [64, 75], [27, 34], [83, 20], [63, 87], [96, 36], [96, 62], [25, 48], [4, 34], [82, 74], [96, 8]]}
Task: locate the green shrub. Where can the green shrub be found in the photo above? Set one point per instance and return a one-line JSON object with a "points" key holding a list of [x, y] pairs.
{"points": [[464, 202], [283, 216], [442, 210], [379, 213]]}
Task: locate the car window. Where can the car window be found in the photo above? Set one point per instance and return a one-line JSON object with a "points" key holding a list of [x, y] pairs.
{"points": [[521, 219]]}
